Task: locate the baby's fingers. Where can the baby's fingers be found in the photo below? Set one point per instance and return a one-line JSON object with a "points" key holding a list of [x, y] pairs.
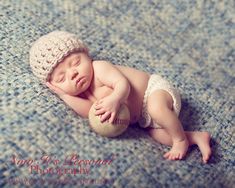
{"points": [[105, 117], [48, 84], [112, 118], [99, 112], [97, 106], [55, 89]]}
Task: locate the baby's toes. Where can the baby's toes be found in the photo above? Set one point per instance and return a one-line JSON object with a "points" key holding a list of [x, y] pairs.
{"points": [[172, 156], [180, 156], [177, 156], [166, 155], [205, 159]]}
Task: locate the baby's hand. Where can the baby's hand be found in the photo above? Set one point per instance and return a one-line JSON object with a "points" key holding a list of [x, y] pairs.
{"points": [[55, 89], [107, 108]]}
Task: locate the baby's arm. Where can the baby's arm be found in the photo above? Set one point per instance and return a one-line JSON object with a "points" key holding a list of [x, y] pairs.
{"points": [[78, 104], [110, 76]]}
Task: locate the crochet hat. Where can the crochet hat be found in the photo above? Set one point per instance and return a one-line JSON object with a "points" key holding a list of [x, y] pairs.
{"points": [[49, 50]]}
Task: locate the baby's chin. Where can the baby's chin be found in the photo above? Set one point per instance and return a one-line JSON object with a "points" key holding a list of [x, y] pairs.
{"points": [[75, 91]]}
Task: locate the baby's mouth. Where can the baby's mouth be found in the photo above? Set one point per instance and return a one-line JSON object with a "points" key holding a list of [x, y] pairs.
{"points": [[79, 81]]}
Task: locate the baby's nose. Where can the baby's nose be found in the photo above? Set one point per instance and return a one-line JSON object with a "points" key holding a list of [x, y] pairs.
{"points": [[73, 73]]}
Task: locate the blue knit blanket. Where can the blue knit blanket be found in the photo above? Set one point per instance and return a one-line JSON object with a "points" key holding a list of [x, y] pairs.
{"points": [[43, 143]]}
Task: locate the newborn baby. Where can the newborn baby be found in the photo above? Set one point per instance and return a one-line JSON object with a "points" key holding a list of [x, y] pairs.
{"points": [[61, 61]]}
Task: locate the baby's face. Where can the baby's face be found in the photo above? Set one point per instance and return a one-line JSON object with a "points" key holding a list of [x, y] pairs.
{"points": [[74, 74]]}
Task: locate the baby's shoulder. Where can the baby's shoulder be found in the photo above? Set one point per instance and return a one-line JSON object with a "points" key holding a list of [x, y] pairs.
{"points": [[100, 65]]}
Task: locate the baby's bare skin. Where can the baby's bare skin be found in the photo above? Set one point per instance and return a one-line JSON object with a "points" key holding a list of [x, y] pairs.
{"points": [[138, 81], [80, 82]]}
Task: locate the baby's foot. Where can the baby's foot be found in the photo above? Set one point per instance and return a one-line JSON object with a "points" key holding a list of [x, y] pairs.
{"points": [[203, 142], [178, 150]]}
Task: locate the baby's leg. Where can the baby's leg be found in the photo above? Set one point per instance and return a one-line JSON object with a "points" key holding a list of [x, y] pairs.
{"points": [[160, 108], [202, 139]]}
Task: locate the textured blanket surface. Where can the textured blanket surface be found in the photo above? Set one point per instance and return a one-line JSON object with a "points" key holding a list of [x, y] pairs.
{"points": [[191, 43]]}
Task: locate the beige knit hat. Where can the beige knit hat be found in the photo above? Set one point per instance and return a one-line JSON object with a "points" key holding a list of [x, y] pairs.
{"points": [[50, 49]]}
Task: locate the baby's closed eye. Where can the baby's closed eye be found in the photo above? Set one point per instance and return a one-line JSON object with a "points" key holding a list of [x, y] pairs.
{"points": [[60, 78], [75, 63]]}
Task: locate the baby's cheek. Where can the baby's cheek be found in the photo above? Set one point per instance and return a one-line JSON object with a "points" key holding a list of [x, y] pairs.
{"points": [[71, 90], [68, 90]]}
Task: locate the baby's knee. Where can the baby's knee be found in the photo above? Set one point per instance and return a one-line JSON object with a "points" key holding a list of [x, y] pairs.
{"points": [[159, 101], [161, 98], [158, 112]]}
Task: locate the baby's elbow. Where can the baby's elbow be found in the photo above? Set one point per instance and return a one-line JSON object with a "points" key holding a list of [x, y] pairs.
{"points": [[85, 115]]}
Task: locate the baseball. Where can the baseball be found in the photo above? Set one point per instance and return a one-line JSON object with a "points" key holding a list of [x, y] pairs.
{"points": [[110, 129]]}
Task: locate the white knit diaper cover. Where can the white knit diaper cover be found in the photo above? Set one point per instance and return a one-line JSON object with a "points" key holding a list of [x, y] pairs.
{"points": [[157, 82]]}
